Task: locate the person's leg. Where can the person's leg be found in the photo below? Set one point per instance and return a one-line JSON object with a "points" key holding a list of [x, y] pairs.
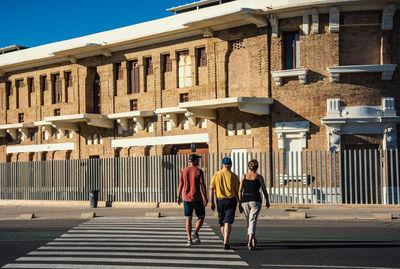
{"points": [[229, 219], [200, 213], [188, 206], [254, 211], [246, 211], [227, 232], [199, 223], [189, 228]]}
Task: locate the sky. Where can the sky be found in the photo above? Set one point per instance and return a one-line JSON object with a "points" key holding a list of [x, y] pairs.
{"points": [[33, 23]]}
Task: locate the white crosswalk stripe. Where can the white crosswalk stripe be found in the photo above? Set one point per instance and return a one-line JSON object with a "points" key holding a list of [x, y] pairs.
{"points": [[108, 243]]}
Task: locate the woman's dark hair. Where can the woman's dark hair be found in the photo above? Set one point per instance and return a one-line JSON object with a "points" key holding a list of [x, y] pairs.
{"points": [[253, 165]]}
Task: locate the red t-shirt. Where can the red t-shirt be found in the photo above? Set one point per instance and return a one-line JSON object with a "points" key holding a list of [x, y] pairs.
{"points": [[191, 178]]}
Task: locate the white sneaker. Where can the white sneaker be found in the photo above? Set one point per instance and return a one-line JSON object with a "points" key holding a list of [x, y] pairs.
{"points": [[189, 243]]}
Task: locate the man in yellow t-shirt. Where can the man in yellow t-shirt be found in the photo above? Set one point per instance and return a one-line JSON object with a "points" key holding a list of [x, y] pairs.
{"points": [[225, 184]]}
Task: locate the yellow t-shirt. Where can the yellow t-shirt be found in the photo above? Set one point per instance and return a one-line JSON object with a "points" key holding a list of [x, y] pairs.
{"points": [[225, 183]]}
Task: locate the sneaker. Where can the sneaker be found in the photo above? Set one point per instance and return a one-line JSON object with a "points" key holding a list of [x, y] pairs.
{"points": [[227, 246], [196, 238], [189, 243]]}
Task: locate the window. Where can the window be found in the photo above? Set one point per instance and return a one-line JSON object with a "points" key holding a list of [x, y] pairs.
{"points": [[20, 117], [56, 88], [229, 129], [32, 136], [45, 135], [119, 74], [183, 97], [150, 127], [58, 134], [134, 104], [8, 93], [148, 66], [167, 125], [291, 50], [185, 124], [133, 77], [239, 128], [167, 63], [247, 128], [43, 88], [18, 84], [57, 112], [201, 57], [89, 140], [120, 131], [68, 79], [68, 83], [31, 89], [185, 69], [203, 123]]}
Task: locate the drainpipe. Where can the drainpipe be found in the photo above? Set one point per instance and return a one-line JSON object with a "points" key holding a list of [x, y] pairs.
{"points": [[269, 36]]}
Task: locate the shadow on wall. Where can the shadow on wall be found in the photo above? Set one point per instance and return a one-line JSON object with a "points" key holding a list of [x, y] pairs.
{"points": [[281, 113]]}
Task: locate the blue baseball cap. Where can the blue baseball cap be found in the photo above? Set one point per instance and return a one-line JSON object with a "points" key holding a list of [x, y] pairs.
{"points": [[226, 160]]}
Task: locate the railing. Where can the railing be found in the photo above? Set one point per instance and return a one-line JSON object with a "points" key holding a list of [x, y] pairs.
{"points": [[309, 177]]}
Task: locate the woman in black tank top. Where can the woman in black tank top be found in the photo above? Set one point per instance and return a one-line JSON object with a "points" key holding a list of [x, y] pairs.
{"points": [[250, 199]]}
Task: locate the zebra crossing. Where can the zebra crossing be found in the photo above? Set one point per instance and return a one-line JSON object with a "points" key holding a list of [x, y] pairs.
{"points": [[108, 243]]}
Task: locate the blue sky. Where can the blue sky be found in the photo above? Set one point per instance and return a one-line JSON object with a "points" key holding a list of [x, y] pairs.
{"points": [[36, 22]]}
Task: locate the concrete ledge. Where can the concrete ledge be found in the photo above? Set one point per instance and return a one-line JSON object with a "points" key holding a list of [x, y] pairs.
{"points": [[170, 205], [383, 216], [152, 214], [26, 216], [134, 204], [298, 215], [90, 215]]}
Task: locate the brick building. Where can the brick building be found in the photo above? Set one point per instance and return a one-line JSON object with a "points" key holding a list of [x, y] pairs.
{"points": [[230, 76]]}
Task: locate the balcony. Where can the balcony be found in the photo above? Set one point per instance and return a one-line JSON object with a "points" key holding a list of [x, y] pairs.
{"points": [[387, 70], [300, 73]]}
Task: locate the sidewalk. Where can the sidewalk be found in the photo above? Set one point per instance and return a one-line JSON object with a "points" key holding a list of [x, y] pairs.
{"points": [[72, 210]]}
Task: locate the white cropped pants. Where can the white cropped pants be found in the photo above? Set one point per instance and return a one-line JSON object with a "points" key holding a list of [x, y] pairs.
{"points": [[251, 211]]}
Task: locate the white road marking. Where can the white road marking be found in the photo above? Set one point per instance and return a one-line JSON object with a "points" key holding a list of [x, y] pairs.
{"points": [[133, 232], [138, 228], [91, 266], [108, 243], [324, 266], [136, 239], [128, 260], [142, 254], [134, 236], [130, 243], [195, 248]]}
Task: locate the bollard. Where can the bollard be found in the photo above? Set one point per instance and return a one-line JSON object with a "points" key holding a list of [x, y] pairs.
{"points": [[93, 197]]}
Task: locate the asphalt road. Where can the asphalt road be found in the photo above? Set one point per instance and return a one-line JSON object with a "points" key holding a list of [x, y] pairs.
{"points": [[319, 244], [20, 237], [281, 244]]}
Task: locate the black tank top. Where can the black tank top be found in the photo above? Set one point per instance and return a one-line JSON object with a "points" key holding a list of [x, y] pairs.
{"points": [[251, 190]]}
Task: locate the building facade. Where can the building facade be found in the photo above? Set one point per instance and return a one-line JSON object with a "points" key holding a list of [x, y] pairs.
{"points": [[229, 76]]}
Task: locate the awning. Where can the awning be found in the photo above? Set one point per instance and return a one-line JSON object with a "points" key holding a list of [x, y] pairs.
{"points": [[70, 122], [12, 129], [171, 113], [136, 116], [205, 109]]}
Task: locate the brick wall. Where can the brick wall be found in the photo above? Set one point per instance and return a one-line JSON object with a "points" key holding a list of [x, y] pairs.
{"points": [[237, 65]]}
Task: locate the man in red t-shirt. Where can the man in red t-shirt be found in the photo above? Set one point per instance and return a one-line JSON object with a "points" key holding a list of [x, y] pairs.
{"points": [[191, 182]]}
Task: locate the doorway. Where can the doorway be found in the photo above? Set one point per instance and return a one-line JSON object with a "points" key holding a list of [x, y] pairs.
{"points": [[361, 171]]}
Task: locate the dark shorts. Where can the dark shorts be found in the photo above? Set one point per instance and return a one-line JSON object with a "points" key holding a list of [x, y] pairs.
{"points": [[226, 210], [197, 206]]}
